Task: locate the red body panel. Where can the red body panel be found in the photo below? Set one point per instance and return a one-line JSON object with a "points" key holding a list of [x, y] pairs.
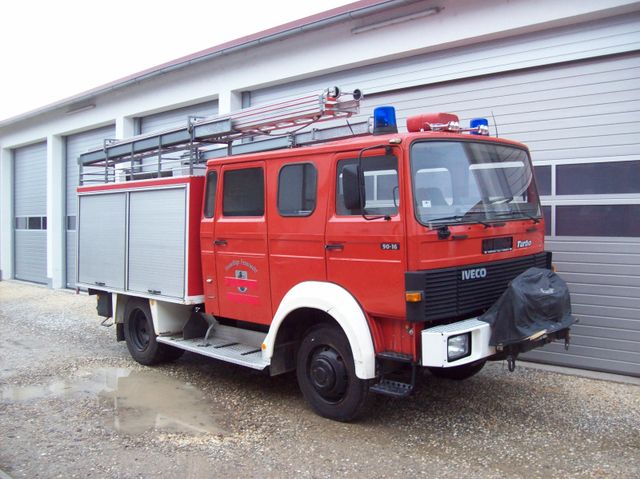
{"points": [[296, 244], [242, 261]]}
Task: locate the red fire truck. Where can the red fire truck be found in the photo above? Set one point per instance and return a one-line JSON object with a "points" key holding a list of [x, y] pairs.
{"points": [[354, 255]]}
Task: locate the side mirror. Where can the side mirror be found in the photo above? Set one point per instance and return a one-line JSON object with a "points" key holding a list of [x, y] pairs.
{"points": [[351, 187]]}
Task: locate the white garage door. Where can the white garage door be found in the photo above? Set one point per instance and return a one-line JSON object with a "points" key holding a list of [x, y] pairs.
{"points": [[580, 121], [30, 212]]}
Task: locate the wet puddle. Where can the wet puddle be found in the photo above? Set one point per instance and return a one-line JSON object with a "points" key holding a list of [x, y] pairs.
{"points": [[142, 400]]}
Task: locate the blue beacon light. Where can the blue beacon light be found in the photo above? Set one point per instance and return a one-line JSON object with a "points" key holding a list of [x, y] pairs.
{"points": [[476, 122], [384, 120]]}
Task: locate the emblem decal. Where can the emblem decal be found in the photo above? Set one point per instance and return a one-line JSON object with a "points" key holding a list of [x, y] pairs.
{"points": [[241, 274], [474, 273]]}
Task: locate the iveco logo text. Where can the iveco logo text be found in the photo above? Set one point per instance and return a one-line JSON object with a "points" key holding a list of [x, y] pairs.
{"points": [[474, 273], [524, 244]]}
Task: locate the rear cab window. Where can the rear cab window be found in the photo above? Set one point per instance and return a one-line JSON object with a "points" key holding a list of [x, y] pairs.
{"points": [[243, 192], [297, 189]]}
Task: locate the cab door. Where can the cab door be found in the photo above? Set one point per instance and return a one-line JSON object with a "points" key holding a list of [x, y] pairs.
{"points": [[240, 242], [367, 255], [297, 208], [207, 237]]}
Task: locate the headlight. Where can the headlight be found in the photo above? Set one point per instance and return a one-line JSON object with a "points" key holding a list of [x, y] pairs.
{"points": [[458, 346]]}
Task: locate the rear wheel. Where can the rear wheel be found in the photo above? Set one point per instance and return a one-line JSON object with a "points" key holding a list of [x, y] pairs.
{"points": [[459, 372], [141, 338], [326, 374]]}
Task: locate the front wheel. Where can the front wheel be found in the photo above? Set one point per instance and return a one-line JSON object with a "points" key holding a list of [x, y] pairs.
{"points": [[326, 374], [459, 372], [141, 338]]}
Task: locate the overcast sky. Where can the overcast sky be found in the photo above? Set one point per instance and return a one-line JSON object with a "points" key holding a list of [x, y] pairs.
{"points": [[53, 49]]}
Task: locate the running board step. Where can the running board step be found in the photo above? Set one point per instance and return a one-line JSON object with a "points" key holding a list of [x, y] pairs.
{"points": [[220, 348], [395, 389]]}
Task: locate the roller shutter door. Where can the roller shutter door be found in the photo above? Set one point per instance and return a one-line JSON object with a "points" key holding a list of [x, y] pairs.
{"points": [[171, 119], [30, 211], [578, 115], [580, 121], [75, 145], [102, 240], [178, 117]]}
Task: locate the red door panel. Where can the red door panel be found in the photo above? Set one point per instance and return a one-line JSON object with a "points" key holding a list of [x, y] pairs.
{"points": [[368, 257], [241, 245], [297, 213]]}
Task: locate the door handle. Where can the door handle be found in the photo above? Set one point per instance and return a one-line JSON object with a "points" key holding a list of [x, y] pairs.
{"points": [[220, 242], [209, 280], [334, 247]]}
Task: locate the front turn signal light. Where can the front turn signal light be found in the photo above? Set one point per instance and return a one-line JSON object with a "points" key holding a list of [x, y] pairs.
{"points": [[413, 296]]}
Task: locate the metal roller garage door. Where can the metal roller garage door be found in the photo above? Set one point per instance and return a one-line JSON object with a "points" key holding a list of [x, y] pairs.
{"points": [[30, 212], [170, 119], [580, 120], [178, 117], [75, 145]]}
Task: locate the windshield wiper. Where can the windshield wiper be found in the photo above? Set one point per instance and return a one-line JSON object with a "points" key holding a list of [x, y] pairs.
{"points": [[520, 213], [460, 218], [499, 200]]}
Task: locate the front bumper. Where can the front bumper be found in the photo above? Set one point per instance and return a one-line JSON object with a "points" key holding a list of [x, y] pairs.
{"points": [[435, 340]]}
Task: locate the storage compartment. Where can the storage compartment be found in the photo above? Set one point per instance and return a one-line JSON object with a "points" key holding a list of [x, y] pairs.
{"points": [[157, 234], [142, 238], [101, 240]]}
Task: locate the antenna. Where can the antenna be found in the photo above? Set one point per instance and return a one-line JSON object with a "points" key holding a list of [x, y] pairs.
{"points": [[495, 124]]}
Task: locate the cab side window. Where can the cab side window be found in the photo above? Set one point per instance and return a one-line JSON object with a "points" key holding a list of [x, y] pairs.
{"points": [[243, 192], [210, 194], [297, 189], [380, 183]]}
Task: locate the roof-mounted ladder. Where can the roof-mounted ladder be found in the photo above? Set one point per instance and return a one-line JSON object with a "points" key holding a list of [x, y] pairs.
{"points": [[190, 146]]}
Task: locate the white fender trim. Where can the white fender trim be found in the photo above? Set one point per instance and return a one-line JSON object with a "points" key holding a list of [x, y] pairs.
{"points": [[341, 306]]}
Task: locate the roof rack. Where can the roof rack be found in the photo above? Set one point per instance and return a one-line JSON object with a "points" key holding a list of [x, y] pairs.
{"points": [[184, 149]]}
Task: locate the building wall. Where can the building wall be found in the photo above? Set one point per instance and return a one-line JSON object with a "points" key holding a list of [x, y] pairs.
{"points": [[527, 62]]}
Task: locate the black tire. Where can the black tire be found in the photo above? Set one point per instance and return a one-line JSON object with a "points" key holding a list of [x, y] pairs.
{"points": [[141, 338], [459, 373], [326, 374]]}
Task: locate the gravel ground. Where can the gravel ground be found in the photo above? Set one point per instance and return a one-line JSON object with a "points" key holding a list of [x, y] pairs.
{"points": [[73, 404]]}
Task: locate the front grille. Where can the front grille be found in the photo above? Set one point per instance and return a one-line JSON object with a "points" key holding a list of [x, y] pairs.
{"points": [[449, 294]]}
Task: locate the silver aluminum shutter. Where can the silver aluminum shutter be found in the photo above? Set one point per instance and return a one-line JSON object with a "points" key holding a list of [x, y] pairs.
{"points": [[178, 117], [30, 202], [580, 112], [555, 46], [75, 145], [157, 238], [576, 113], [171, 119], [101, 233]]}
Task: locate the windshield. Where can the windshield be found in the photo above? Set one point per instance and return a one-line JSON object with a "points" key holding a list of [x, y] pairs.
{"points": [[470, 182]]}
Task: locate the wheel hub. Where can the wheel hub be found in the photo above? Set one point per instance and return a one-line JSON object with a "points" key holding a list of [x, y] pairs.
{"points": [[327, 373], [139, 330]]}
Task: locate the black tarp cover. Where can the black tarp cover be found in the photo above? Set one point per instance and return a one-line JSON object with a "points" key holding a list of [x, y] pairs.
{"points": [[536, 300]]}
